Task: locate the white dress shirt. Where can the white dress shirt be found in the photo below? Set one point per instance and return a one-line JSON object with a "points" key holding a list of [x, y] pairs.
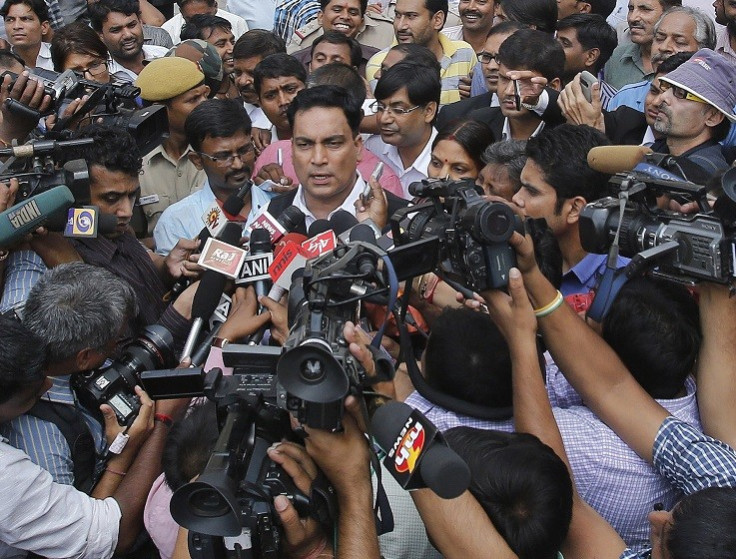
{"points": [[122, 74], [51, 519], [389, 154], [348, 205]]}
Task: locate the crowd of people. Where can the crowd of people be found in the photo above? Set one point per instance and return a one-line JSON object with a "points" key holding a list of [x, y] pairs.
{"points": [[584, 438]]}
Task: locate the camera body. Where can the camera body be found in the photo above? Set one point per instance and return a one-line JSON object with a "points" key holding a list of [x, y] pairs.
{"points": [[703, 243], [114, 384], [473, 232]]}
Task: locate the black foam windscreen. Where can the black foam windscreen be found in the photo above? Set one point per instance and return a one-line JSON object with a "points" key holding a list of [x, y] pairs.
{"points": [[291, 218], [319, 226], [260, 241], [341, 221], [362, 232]]}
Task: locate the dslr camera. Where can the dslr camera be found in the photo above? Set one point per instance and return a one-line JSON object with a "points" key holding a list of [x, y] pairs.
{"points": [[473, 233]]}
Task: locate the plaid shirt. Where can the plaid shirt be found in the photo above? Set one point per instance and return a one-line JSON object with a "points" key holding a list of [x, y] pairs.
{"points": [[445, 419], [291, 15], [691, 461], [458, 60]]}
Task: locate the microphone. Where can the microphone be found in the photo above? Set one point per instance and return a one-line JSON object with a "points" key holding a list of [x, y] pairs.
{"points": [[616, 159], [28, 215], [236, 201], [341, 221], [367, 261], [291, 219], [209, 292], [319, 226], [183, 282], [416, 453]]}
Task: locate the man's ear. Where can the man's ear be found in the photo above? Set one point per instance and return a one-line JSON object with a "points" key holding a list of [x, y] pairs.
{"points": [[438, 20], [555, 83], [196, 159], [660, 522], [359, 144], [86, 359], [585, 8], [430, 111], [713, 117], [574, 207], [45, 28], [591, 57], [320, 17]]}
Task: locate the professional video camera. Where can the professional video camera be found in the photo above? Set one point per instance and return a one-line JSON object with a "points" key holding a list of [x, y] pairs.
{"points": [[114, 384], [229, 508], [473, 232], [685, 248], [113, 104], [317, 369]]}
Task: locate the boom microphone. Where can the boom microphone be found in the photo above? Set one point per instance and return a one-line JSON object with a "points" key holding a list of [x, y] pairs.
{"points": [[28, 215], [209, 292], [416, 453], [617, 159]]}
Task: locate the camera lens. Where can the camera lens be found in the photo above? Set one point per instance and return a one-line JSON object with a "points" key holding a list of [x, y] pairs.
{"points": [[494, 222]]}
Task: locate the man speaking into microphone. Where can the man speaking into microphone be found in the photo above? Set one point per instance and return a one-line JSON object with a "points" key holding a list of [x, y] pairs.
{"points": [[219, 132]]}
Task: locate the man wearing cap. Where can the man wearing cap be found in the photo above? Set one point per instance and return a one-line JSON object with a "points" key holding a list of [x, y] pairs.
{"points": [[168, 174], [696, 109], [206, 57]]}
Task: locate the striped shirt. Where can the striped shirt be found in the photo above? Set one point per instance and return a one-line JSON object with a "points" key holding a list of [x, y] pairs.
{"points": [[691, 461], [291, 15], [458, 60], [43, 441], [22, 271]]}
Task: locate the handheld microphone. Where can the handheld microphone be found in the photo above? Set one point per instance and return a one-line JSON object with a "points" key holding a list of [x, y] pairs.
{"points": [[236, 201], [367, 261], [209, 292], [341, 221], [26, 216], [616, 159], [259, 258], [416, 454], [291, 219], [183, 282], [317, 227]]}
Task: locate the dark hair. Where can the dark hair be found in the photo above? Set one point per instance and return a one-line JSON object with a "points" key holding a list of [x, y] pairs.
{"points": [[98, 11], [37, 6], [467, 358], [509, 26], [327, 96], [277, 66], [702, 525], [8, 57], [341, 75], [189, 444], [542, 14], [182, 3], [593, 32], [196, 26], [418, 54], [258, 42], [363, 5], [435, 6], [473, 136], [672, 62], [562, 155], [76, 38], [523, 486], [422, 84], [22, 360], [529, 49], [337, 38], [654, 327], [216, 118], [113, 148]]}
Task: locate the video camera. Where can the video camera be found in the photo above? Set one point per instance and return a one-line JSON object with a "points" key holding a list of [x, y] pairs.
{"points": [[317, 369], [685, 248], [112, 104], [114, 384], [473, 232], [229, 508]]}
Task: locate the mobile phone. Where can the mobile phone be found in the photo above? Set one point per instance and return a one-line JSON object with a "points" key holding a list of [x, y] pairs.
{"points": [[586, 83], [517, 95], [376, 176]]}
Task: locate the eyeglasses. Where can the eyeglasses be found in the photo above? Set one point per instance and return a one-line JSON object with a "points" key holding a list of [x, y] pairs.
{"points": [[377, 108], [486, 57], [95, 69], [227, 160], [680, 93]]}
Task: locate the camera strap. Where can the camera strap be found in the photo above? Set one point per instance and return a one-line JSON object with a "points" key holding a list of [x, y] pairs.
{"points": [[393, 295]]}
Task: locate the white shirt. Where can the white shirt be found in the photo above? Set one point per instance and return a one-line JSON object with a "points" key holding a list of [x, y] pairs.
{"points": [[43, 60], [454, 33], [348, 205], [649, 138], [174, 25], [258, 118], [51, 519], [506, 132], [389, 154], [122, 74]]}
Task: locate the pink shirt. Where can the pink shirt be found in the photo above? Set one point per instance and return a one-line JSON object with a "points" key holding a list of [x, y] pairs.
{"points": [[389, 181]]}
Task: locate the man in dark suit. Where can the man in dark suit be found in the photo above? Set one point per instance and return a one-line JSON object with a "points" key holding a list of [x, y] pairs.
{"points": [[326, 147], [488, 59]]}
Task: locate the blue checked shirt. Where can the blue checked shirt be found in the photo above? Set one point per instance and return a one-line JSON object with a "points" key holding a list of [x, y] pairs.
{"points": [[445, 419], [691, 461], [44, 442], [22, 271]]}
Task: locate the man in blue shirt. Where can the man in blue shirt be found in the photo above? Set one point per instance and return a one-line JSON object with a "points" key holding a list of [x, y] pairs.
{"points": [[219, 132]]}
